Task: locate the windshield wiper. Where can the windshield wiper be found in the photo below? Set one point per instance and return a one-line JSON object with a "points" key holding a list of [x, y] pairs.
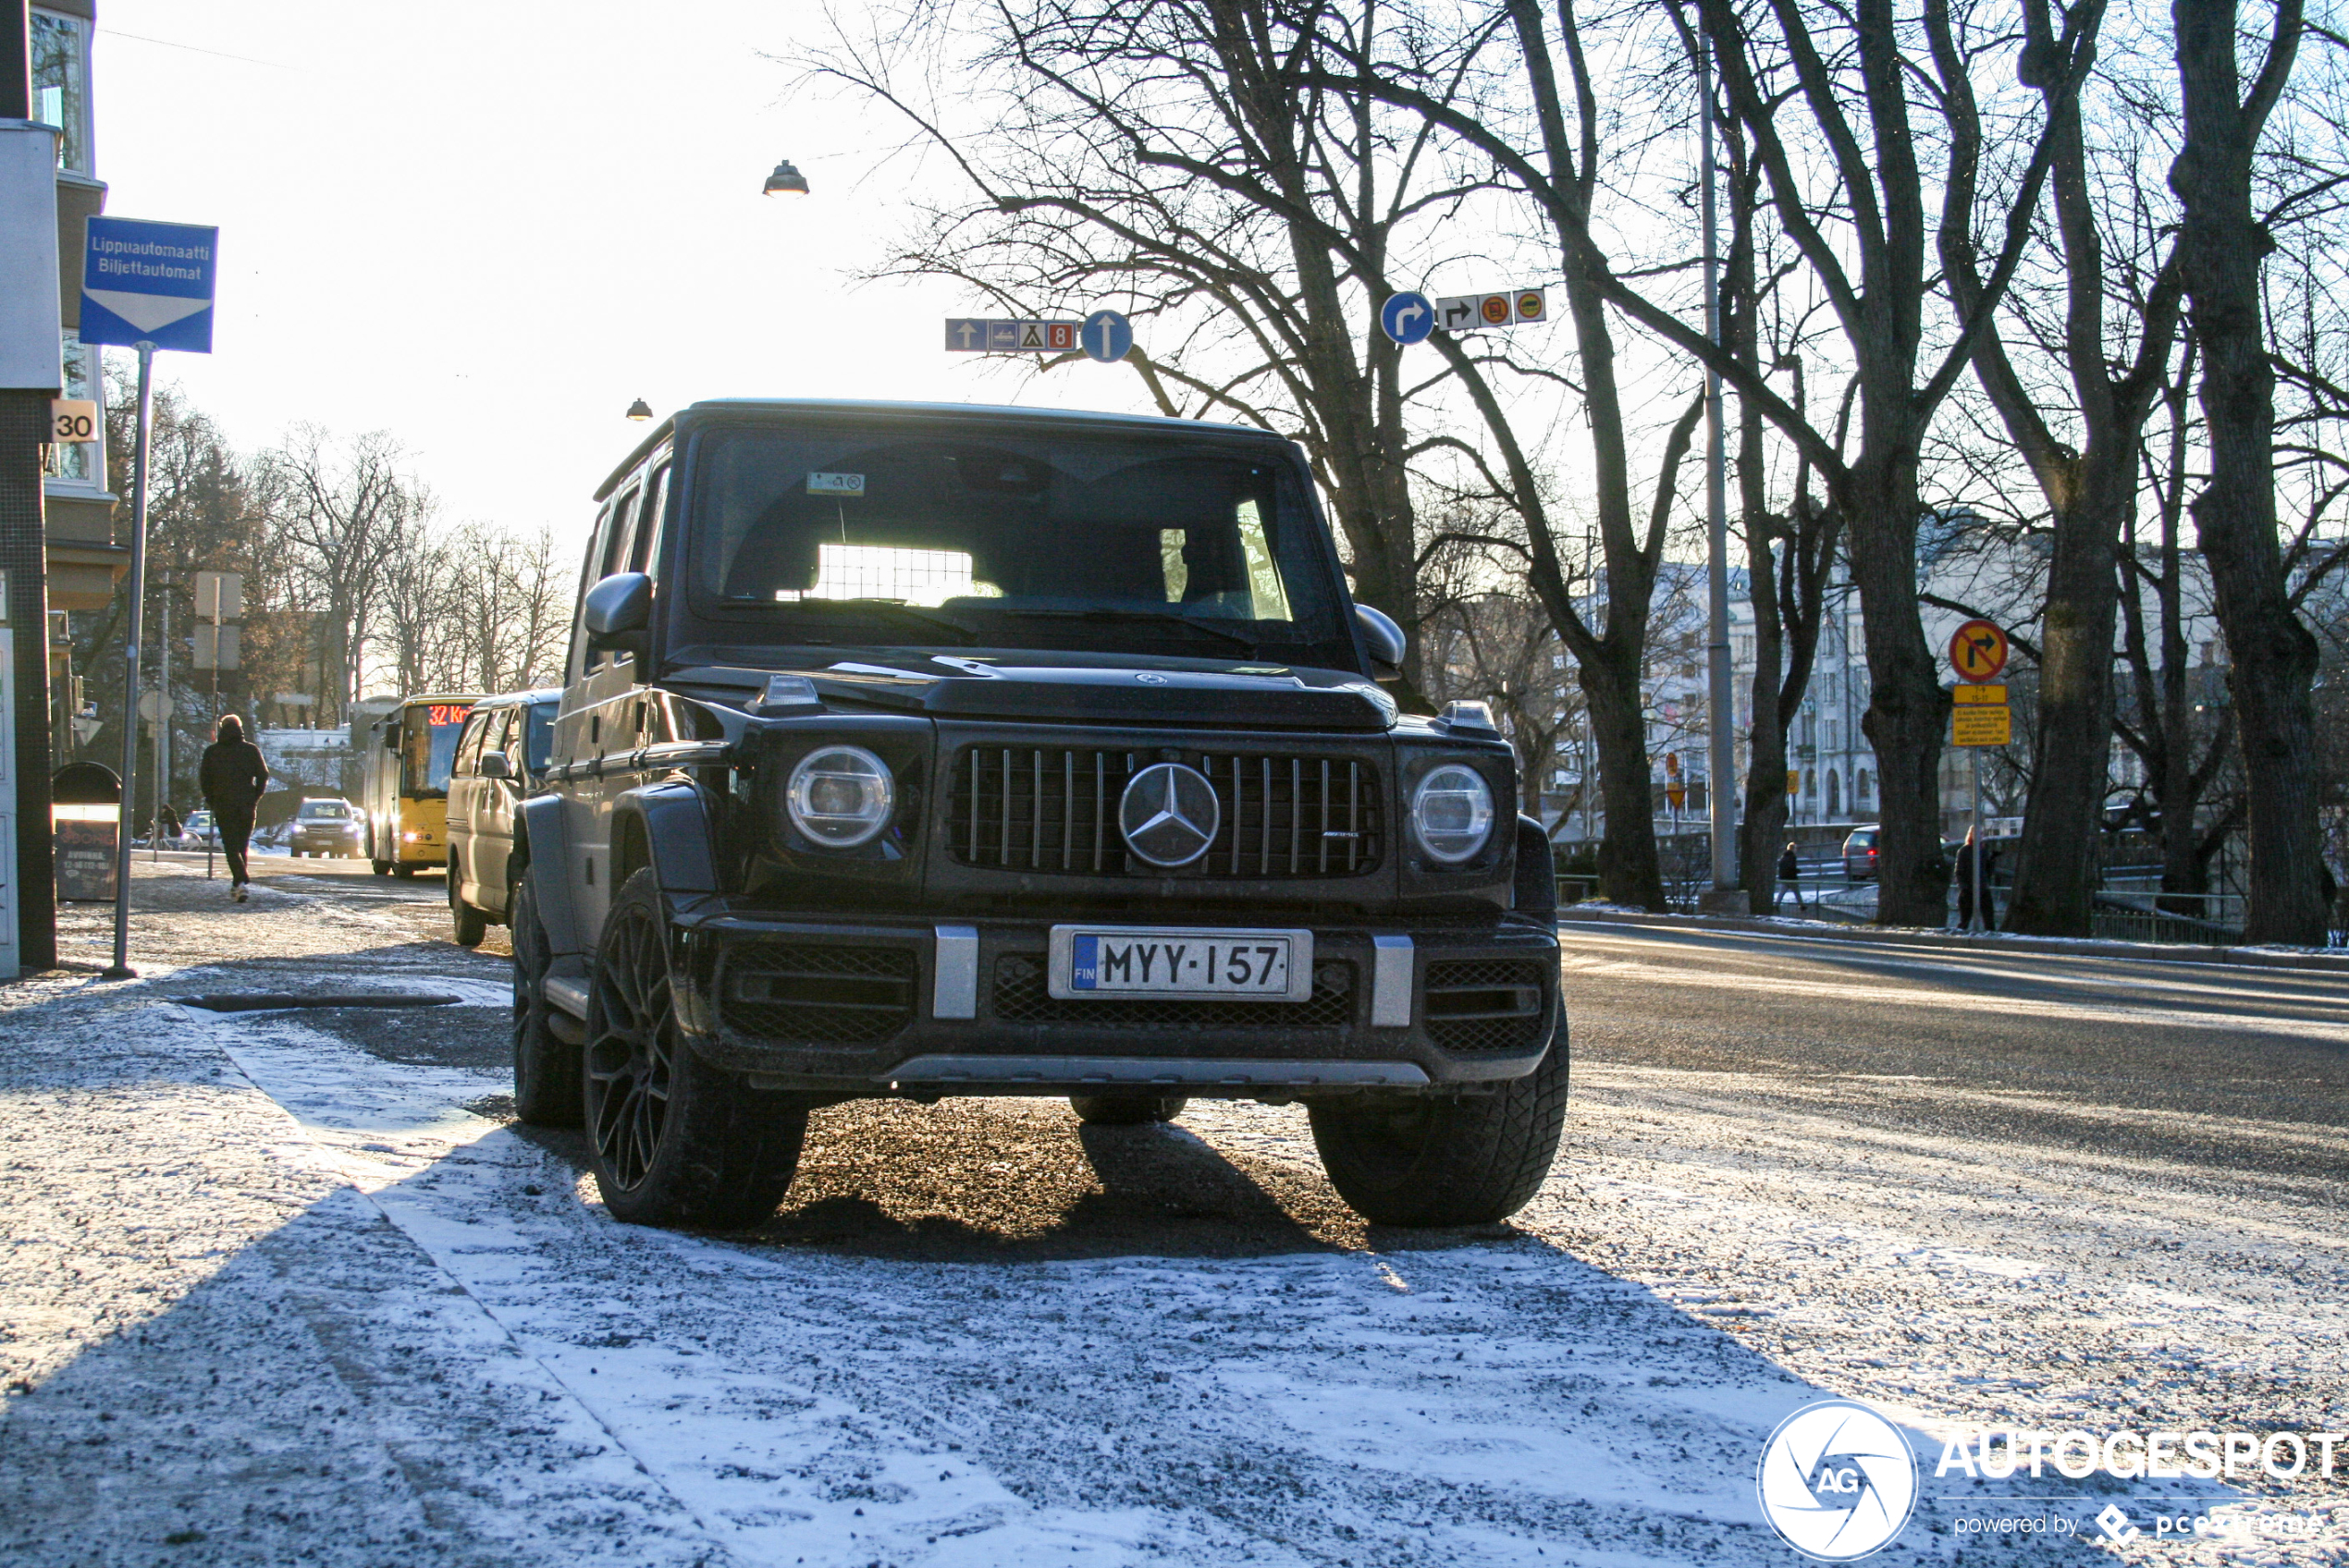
{"points": [[1155, 618], [889, 607]]}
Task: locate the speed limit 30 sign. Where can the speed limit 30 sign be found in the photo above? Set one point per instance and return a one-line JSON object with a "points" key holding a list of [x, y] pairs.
{"points": [[72, 420]]}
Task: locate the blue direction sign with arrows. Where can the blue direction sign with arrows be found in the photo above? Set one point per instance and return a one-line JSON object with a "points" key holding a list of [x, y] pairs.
{"points": [[1408, 318], [149, 283], [1108, 335]]}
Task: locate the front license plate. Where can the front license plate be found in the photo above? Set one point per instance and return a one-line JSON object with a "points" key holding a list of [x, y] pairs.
{"points": [[1128, 960]]}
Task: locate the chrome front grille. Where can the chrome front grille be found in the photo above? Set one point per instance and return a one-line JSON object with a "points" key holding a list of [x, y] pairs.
{"points": [[1054, 809]]}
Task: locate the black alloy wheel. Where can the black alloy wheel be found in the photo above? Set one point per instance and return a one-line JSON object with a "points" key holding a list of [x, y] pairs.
{"points": [[676, 1141], [631, 1048]]}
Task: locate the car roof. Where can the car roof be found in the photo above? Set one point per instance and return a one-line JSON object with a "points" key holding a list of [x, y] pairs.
{"points": [[721, 408]]}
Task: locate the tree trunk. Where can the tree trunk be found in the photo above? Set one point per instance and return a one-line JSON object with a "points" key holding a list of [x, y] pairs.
{"points": [[1908, 711], [1631, 872], [2272, 656], [2056, 881]]}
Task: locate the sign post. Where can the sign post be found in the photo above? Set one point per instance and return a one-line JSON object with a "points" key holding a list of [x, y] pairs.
{"points": [[144, 286], [1978, 718]]}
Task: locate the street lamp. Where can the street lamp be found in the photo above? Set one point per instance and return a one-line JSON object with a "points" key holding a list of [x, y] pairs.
{"points": [[786, 180], [640, 411]]}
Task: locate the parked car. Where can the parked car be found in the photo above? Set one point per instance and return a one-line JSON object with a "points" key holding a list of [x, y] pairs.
{"points": [[500, 757], [327, 827], [1860, 854], [199, 827], [914, 750]]}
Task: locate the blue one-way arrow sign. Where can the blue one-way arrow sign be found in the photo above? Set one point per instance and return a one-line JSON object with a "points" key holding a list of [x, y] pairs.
{"points": [[149, 283], [1108, 335]]}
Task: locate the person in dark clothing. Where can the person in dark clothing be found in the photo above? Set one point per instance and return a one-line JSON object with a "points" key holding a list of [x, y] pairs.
{"points": [[1790, 875], [234, 776], [167, 819]]}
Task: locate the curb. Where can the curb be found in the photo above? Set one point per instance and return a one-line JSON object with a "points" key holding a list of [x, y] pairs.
{"points": [[1917, 936]]}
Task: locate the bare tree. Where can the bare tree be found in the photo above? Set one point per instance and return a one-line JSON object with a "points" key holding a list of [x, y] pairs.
{"points": [[2090, 483], [2221, 244], [340, 512], [1186, 155]]}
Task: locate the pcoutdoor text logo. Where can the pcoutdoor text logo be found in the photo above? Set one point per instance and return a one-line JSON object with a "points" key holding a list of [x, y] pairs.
{"points": [[1837, 1481], [2202, 1456]]}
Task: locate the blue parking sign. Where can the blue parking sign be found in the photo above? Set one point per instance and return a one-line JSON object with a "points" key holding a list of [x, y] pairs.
{"points": [[149, 283]]}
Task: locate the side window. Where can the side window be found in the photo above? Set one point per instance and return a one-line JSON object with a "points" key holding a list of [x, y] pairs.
{"points": [[646, 554], [469, 744], [620, 543], [501, 731]]}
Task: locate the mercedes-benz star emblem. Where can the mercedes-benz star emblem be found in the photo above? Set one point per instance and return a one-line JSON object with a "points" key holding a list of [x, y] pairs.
{"points": [[1169, 813]]}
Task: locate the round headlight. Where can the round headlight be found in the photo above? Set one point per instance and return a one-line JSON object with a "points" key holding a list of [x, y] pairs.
{"points": [[1452, 812], [841, 796]]}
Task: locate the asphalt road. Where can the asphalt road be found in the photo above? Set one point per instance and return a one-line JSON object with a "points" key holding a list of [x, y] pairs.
{"points": [[271, 1269], [2118, 1055]]}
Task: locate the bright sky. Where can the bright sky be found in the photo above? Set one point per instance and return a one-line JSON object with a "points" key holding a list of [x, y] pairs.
{"points": [[486, 227]]}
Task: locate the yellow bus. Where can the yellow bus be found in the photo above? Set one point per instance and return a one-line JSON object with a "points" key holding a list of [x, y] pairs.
{"points": [[406, 789]]}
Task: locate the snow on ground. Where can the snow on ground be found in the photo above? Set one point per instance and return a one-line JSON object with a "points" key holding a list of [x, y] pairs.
{"points": [[269, 1296]]}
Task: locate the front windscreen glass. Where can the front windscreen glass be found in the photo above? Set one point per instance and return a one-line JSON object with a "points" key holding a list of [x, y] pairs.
{"points": [[540, 743], [1159, 544], [431, 748]]}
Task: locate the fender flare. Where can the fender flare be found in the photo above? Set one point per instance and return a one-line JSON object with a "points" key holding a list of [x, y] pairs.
{"points": [[665, 826], [540, 833], [1536, 886]]}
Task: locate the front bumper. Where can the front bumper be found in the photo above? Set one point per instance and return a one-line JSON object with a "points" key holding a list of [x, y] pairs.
{"points": [[872, 1006]]}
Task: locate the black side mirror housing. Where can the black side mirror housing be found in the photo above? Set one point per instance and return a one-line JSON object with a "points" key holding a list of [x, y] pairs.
{"points": [[1383, 640], [618, 612], [493, 765]]}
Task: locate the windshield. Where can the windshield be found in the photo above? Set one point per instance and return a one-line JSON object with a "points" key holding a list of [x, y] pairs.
{"points": [[1155, 544], [325, 811], [430, 748], [541, 742]]}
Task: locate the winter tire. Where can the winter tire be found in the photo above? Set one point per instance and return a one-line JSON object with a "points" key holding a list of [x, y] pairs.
{"points": [[1427, 1160], [470, 923], [545, 1068], [1126, 1110], [383, 868], [403, 868], [676, 1141]]}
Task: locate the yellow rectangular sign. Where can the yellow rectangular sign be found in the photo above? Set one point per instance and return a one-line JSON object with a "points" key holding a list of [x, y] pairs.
{"points": [[1981, 726], [1985, 695]]}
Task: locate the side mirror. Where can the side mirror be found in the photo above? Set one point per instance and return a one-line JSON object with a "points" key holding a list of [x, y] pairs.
{"points": [[495, 765], [617, 614], [1383, 640]]}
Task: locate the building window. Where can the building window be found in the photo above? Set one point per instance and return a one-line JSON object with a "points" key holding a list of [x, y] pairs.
{"points": [[1835, 795], [82, 461], [61, 85]]}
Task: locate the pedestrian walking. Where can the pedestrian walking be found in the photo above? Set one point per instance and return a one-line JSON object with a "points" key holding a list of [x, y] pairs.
{"points": [[1968, 881], [233, 777], [1790, 875]]}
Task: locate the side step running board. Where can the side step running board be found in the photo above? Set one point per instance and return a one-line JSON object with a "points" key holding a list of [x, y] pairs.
{"points": [[568, 992]]}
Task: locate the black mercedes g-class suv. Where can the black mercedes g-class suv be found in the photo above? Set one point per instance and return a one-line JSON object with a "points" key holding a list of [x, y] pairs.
{"points": [[932, 751]]}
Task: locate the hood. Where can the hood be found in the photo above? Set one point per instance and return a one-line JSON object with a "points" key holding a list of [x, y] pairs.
{"points": [[1089, 688]]}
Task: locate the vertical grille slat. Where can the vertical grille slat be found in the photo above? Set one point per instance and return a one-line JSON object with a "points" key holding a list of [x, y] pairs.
{"points": [[1284, 813]]}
